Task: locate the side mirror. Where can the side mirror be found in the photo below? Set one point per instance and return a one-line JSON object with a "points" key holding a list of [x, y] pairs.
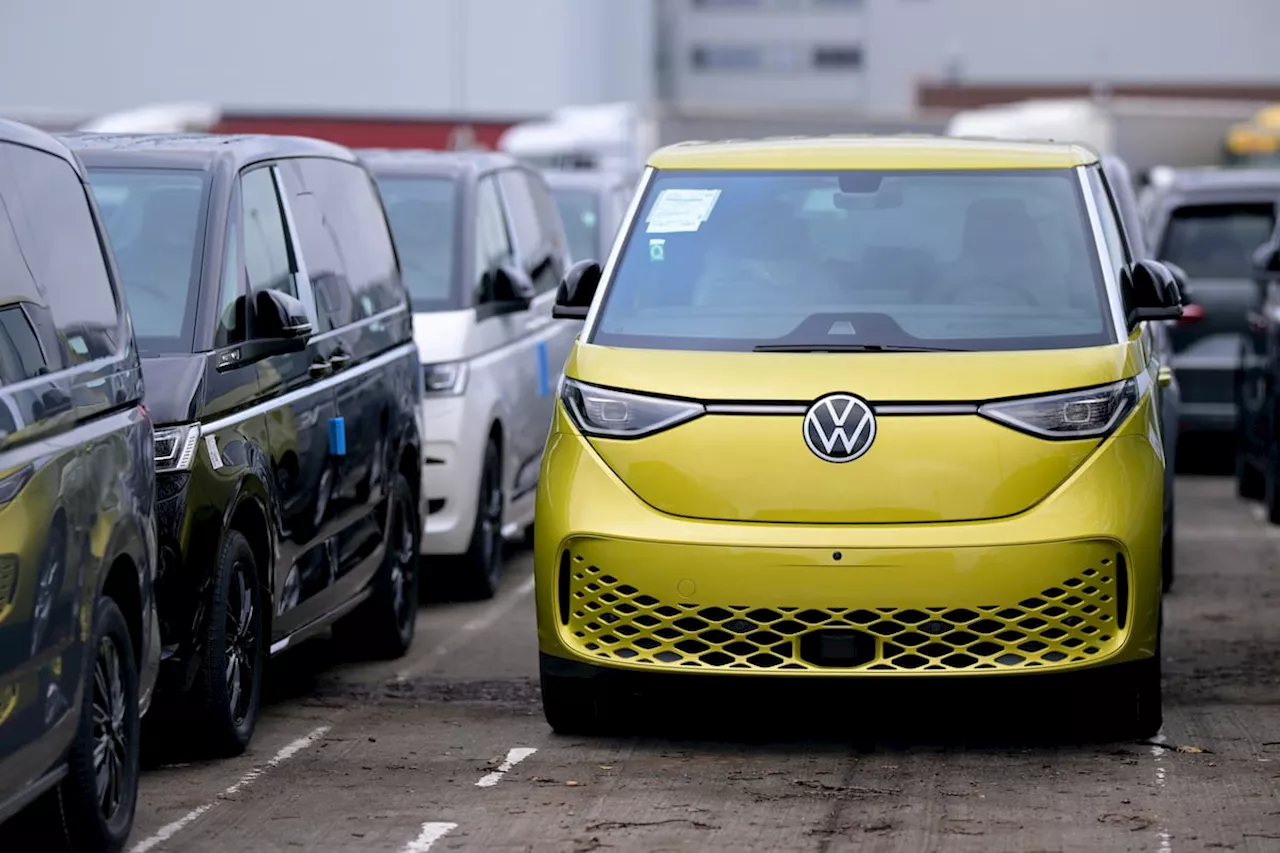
{"points": [[1150, 292], [280, 326], [511, 288], [1179, 280], [577, 290]]}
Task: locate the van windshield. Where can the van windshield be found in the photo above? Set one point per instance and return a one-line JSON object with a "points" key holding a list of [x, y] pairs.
{"points": [[155, 220], [955, 260], [423, 214]]}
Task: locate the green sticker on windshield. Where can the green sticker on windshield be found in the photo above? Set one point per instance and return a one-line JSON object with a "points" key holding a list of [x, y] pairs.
{"points": [[657, 250], [589, 218]]}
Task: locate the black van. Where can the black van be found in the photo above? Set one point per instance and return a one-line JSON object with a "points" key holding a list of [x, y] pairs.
{"points": [[78, 646], [281, 372]]}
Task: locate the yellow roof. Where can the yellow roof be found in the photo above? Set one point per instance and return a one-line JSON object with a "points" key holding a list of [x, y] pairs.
{"points": [[871, 152]]}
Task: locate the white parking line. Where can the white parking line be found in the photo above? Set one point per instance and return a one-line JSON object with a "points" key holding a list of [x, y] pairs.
{"points": [[514, 757], [169, 830], [431, 833], [1157, 752]]}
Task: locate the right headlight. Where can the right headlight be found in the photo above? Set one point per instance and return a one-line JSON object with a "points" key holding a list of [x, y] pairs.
{"points": [[446, 379], [1086, 413], [176, 447], [607, 413]]}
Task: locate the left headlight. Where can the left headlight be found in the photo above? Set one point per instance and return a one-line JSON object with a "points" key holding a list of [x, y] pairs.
{"points": [[176, 447], [447, 379], [1087, 413], [607, 413]]}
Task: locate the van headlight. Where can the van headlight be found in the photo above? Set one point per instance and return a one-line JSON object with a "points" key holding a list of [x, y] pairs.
{"points": [[446, 379], [619, 414], [1087, 413], [176, 447]]}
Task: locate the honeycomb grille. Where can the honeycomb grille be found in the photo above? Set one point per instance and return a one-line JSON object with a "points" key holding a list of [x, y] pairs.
{"points": [[1072, 622]]}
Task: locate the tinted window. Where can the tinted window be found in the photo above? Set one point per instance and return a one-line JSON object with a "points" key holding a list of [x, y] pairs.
{"points": [[524, 213], [976, 260], [266, 243], [352, 216], [61, 245], [22, 356], [493, 242], [320, 253], [580, 213], [1217, 241], [155, 220], [424, 221]]}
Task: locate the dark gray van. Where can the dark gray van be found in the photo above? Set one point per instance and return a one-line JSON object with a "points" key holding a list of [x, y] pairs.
{"points": [[277, 343], [78, 640]]}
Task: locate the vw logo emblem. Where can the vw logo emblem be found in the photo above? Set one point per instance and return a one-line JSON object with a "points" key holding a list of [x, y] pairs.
{"points": [[839, 427]]}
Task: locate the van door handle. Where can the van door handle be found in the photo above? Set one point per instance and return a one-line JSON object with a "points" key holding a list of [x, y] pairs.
{"points": [[339, 360], [319, 369]]}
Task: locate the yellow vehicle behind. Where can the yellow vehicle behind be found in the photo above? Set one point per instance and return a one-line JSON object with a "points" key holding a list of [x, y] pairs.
{"points": [[875, 408]]}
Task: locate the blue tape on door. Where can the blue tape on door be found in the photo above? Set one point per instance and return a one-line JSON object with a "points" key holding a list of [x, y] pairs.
{"points": [[544, 371], [337, 437]]}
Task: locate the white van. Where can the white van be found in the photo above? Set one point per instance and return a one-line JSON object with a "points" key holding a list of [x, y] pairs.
{"points": [[482, 250]]}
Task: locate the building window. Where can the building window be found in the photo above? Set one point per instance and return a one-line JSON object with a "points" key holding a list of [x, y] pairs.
{"points": [[845, 57], [727, 57], [725, 4]]}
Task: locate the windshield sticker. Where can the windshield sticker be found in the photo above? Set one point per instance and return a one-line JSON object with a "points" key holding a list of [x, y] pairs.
{"points": [[657, 249], [681, 210]]}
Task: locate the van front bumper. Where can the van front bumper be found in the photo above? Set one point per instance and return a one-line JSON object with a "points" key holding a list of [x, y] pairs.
{"points": [[1072, 583], [453, 453]]}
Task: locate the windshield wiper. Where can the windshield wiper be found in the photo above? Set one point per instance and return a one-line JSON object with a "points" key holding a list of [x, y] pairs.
{"points": [[847, 348]]}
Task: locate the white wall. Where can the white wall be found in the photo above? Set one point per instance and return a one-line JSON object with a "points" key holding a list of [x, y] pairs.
{"points": [[480, 57]]}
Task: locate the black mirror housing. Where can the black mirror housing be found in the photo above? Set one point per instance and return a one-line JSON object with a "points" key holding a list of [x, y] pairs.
{"points": [[280, 326], [1151, 292], [577, 290], [512, 289], [279, 316]]}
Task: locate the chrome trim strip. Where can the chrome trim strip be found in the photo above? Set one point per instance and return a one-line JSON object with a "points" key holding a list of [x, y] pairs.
{"points": [[926, 409], [756, 409], [625, 232], [402, 351], [402, 308], [892, 409]]}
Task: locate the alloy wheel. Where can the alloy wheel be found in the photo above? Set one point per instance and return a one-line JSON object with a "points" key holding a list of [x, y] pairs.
{"points": [[110, 737]]}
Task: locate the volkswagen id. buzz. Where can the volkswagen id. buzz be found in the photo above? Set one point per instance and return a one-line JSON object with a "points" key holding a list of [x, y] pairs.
{"points": [[858, 407]]}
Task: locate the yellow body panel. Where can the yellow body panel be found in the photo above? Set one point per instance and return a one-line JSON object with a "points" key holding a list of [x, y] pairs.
{"points": [[1070, 583], [871, 152]]}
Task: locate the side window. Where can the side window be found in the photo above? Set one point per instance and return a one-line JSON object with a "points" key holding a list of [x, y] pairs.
{"points": [[61, 245], [320, 253], [535, 221], [1110, 220], [231, 319], [24, 352], [266, 240], [341, 219], [493, 243]]}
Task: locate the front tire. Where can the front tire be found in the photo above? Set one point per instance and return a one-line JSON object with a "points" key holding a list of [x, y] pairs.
{"points": [[575, 706], [383, 626], [1167, 555], [93, 806], [229, 685], [479, 571], [1271, 484]]}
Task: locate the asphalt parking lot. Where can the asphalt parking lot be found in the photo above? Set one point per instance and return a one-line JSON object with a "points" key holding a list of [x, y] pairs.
{"points": [[447, 749]]}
